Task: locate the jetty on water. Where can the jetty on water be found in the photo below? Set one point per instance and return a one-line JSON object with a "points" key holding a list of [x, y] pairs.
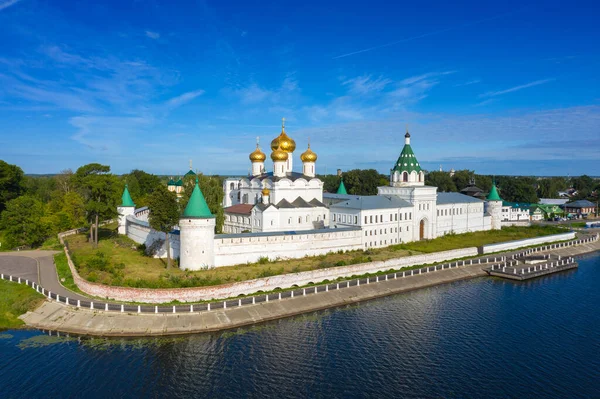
{"points": [[530, 266]]}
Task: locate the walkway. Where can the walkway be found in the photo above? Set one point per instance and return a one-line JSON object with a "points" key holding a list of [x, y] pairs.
{"points": [[55, 316], [35, 266]]}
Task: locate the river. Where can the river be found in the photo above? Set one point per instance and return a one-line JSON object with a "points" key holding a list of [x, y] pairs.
{"points": [[482, 338]]}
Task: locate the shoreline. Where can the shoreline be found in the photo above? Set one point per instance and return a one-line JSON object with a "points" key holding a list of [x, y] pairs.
{"points": [[57, 317]]}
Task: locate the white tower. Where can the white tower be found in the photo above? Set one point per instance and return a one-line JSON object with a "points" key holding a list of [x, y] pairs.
{"points": [[126, 208], [197, 234], [280, 159], [493, 206], [308, 159], [284, 143], [407, 171], [258, 160]]}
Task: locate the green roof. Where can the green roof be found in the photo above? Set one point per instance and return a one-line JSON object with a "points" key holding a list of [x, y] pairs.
{"points": [[179, 182], [171, 182], [197, 206], [407, 162], [342, 189], [493, 195], [190, 173], [126, 198]]}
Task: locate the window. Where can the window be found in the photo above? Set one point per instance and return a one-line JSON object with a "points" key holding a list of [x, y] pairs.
{"points": [[371, 219], [396, 218], [289, 220], [271, 223], [407, 228], [333, 217], [410, 215], [366, 220], [366, 233], [344, 218], [375, 218], [355, 219]]}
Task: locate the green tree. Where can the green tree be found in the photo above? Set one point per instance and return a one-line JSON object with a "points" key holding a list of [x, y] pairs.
{"points": [[462, 178], [164, 214], [441, 180], [101, 191], [11, 183], [22, 222], [518, 189], [212, 189]]}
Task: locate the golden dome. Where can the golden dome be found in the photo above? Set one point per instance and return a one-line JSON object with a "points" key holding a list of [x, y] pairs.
{"points": [[279, 155], [308, 155], [257, 155], [265, 191], [283, 140]]}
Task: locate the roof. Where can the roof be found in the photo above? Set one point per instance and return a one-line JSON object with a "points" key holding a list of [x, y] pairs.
{"points": [[580, 204], [293, 176], [241, 209], [197, 206], [471, 189], [455, 198], [171, 182], [297, 203], [493, 195], [553, 201], [517, 205], [288, 233], [368, 202], [342, 188], [179, 182], [407, 162], [190, 173], [126, 198]]}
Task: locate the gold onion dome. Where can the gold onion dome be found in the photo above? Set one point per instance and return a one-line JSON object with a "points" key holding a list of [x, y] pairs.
{"points": [[266, 191], [283, 141], [308, 155], [279, 155], [257, 155]]}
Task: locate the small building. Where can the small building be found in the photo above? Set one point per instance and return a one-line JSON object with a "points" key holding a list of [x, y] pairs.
{"points": [[580, 208], [473, 191]]}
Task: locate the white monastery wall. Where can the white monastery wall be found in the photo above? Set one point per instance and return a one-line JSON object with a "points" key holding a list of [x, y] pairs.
{"points": [[141, 232], [505, 246], [250, 248]]}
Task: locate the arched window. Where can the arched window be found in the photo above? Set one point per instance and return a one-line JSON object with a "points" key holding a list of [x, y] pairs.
{"points": [[404, 176], [232, 186]]}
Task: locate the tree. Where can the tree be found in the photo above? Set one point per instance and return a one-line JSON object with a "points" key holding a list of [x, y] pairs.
{"points": [[141, 185], [518, 189], [22, 222], [441, 180], [212, 189], [462, 178], [164, 214], [11, 183], [101, 192]]}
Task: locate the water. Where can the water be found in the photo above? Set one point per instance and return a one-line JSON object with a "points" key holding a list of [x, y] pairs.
{"points": [[483, 338]]}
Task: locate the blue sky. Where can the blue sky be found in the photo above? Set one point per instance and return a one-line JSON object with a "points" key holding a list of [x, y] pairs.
{"points": [[499, 88]]}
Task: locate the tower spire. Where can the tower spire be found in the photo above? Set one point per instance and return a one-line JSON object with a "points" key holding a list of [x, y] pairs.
{"points": [[282, 124]]}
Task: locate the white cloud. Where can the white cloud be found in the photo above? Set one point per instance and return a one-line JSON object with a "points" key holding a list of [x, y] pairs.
{"points": [[183, 99], [152, 35], [365, 84], [7, 3], [516, 88]]}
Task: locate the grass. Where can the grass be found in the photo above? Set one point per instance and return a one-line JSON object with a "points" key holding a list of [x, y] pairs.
{"points": [[16, 300], [578, 224], [118, 262], [64, 273], [479, 238]]}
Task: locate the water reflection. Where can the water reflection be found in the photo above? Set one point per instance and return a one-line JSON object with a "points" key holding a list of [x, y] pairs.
{"points": [[486, 337]]}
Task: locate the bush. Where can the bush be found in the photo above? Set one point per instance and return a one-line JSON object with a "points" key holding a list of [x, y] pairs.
{"points": [[263, 260]]}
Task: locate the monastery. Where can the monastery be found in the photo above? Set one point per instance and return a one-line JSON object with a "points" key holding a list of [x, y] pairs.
{"points": [[285, 214]]}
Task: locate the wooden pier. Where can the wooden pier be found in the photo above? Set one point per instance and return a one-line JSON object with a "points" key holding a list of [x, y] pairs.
{"points": [[526, 268]]}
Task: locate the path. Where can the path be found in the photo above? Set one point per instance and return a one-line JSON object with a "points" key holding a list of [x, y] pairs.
{"points": [[35, 266]]}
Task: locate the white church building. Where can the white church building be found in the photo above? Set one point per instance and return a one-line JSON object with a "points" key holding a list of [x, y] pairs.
{"points": [[285, 214]]}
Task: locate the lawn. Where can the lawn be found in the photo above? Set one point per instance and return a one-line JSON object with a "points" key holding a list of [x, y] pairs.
{"points": [[479, 238], [16, 299], [117, 261]]}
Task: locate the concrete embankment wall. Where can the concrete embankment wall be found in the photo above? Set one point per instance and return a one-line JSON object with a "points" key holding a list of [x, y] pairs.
{"points": [[507, 246]]}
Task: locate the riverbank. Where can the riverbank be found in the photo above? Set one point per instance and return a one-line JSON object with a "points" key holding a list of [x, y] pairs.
{"points": [[55, 316], [16, 300]]}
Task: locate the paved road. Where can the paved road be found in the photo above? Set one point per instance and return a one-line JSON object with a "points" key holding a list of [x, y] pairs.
{"points": [[35, 266]]}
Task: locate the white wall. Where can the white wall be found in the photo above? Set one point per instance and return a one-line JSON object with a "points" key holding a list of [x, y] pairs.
{"points": [[249, 248], [141, 232], [504, 246]]}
